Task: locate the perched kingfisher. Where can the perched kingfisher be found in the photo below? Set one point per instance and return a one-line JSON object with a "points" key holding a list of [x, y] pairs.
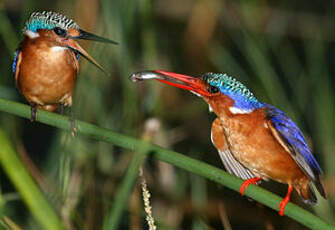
{"points": [[255, 140], [46, 63]]}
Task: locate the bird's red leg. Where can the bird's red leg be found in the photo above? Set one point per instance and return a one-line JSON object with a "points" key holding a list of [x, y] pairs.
{"points": [[284, 202], [247, 182]]}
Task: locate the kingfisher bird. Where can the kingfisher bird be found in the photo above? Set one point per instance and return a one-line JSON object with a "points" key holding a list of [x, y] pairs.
{"points": [[255, 140], [46, 63]]}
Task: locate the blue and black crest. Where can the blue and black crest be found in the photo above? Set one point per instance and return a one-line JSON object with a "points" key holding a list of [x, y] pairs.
{"points": [[48, 20], [243, 97]]}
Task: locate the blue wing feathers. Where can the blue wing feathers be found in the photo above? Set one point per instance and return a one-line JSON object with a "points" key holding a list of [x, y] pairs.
{"points": [[292, 136], [77, 55], [299, 150], [16, 55]]}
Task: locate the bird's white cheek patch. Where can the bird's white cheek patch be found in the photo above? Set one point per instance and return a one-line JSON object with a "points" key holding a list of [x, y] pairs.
{"points": [[32, 34], [235, 110], [210, 108], [266, 125]]}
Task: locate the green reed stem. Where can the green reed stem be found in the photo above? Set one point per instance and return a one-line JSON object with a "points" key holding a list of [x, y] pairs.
{"points": [[194, 166], [40, 208]]}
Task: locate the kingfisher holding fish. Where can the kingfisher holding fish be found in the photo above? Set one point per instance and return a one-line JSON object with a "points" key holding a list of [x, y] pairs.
{"points": [[255, 140], [46, 63]]}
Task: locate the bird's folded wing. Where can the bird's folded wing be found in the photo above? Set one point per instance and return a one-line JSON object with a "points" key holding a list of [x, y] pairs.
{"points": [[231, 164], [16, 63], [291, 138]]}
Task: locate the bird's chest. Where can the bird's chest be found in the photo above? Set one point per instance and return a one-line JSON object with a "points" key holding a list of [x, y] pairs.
{"points": [[47, 74], [251, 142], [51, 64], [241, 136], [248, 139]]}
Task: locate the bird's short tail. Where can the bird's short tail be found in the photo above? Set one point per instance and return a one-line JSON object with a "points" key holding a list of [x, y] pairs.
{"points": [[306, 193], [312, 200], [319, 187]]}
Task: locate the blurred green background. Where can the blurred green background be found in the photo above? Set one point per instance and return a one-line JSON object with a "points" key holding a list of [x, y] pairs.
{"points": [[283, 51]]}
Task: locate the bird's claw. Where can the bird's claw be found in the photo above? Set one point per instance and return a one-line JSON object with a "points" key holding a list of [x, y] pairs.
{"points": [[247, 182], [282, 206], [73, 126], [73, 131], [33, 112]]}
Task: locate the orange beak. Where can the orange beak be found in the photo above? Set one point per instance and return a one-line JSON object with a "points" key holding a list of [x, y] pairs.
{"points": [[193, 84]]}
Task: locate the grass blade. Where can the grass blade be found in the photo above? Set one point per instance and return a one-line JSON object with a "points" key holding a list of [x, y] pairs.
{"points": [[31, 195]]}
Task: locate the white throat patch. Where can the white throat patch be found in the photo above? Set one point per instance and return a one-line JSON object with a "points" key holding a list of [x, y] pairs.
{"points": [[58, 48], [235, 110], [32, 34]]}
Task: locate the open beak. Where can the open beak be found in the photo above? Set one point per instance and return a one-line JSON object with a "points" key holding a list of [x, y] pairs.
{"points": [[72, 44], [89, 36], [193, 84]]}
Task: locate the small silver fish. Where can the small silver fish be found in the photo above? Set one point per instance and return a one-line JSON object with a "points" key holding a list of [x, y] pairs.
{"points": [[145, 75]]}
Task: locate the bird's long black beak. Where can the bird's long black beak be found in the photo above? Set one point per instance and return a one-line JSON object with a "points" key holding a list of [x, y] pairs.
{"points": [[81, 34], [89, 36]]}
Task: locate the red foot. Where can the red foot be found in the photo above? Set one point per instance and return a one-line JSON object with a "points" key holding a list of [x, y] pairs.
{"points": [[284, 202], [247, 182]]}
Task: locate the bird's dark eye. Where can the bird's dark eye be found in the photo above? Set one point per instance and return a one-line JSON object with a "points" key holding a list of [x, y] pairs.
{"points": [[212, 89], [59, 31]]}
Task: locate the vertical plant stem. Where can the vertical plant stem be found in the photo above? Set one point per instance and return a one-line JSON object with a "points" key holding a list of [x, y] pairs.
{"points": [[31, 195], [112, 220], [146, 200]]}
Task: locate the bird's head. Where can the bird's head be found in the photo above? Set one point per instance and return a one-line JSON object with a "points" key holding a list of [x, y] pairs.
{"points": [[213, 87], [62, 31]]}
